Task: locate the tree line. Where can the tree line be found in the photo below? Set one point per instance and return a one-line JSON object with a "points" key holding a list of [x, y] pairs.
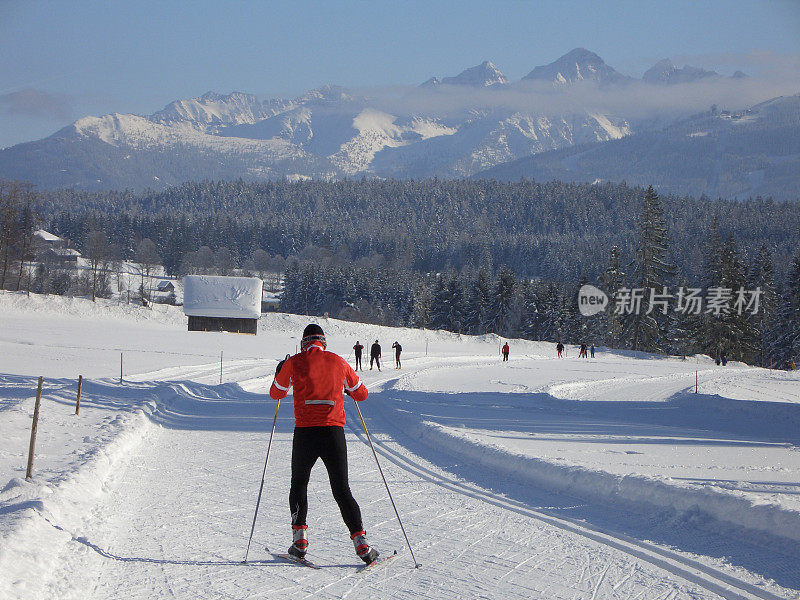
{"points": [[469, 256]]}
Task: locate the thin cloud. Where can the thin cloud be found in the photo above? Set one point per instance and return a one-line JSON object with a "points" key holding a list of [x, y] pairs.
{"points": [[634, 100], [37, 104], [763, 63]]}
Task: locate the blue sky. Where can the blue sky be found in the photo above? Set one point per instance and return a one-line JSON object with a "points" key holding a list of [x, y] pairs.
{"points": [[64, 60]]}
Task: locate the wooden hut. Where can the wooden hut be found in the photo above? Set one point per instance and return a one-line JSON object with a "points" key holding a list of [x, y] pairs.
{"points": [[222, 303]]}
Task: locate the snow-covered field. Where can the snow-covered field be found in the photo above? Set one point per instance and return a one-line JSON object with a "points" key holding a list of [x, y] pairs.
{"points": [[538, 478]]}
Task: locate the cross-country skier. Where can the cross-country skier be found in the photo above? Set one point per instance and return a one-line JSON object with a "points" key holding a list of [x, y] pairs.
{"points": [[375, 355], [357, 349], [591, 350], [318, 377], [397, 350], [582, 352], [560, 349], [506, 350]]}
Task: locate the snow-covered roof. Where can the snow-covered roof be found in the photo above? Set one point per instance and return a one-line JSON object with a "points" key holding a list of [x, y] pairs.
{"points": [[228, 297], [65, 251], [47, 236]]}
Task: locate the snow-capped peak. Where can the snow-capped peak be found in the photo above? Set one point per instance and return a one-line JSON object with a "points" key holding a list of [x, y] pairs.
{"points": [[577, 65], [327, 93], [214, 109], [664, 71], [430, 83], [482, 75]]}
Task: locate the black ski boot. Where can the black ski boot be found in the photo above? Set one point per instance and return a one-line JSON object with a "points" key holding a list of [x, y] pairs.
{"points": [[365, 552]]}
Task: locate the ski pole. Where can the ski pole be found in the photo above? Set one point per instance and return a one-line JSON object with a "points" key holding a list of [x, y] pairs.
{"points": [[263, 476], [377, 462]]}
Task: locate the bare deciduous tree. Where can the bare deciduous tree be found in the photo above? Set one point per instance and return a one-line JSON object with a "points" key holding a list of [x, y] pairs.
{"points": [[148, 259], [9, 225], [98, 253]]}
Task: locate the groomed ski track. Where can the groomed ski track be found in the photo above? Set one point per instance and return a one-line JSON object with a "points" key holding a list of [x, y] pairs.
{"points": [[173, 514]]}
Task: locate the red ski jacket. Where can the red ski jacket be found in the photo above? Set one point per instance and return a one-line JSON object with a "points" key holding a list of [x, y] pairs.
{"points": [[318, 378]]}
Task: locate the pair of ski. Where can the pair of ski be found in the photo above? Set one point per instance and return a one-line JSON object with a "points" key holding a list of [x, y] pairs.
{"points": [[307, 563]]}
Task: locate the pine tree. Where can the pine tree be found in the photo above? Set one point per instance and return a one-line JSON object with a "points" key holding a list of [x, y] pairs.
{"points": [[787, 346], [439, 307], [741, 339], [612, 280], [456, 305], [762, 278], [646, 327], [500, 312], [477, 317], [421, 312]]}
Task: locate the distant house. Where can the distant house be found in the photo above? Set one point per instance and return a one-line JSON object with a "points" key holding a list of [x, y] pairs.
{"points": [[44, 240], [165, 286], [222, 303], [61, 256], [270, 302]]}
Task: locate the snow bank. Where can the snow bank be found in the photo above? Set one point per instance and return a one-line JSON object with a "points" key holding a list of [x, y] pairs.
{"points": [[76, 308], [38, 516], [594, 485]]}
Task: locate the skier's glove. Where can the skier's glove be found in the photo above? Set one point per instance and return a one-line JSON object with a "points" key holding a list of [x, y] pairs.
{"points": [[280, 365]]}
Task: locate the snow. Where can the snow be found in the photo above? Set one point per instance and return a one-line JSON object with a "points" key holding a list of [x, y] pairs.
{"points": [[612, 131], [214, 296], [46, 236], [539, 478]]}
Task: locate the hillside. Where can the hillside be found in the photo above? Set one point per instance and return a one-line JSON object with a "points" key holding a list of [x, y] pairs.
{"points": [[744, 154]]}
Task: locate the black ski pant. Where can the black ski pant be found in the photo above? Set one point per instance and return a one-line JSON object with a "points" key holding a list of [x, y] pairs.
{"points": [[327, 443], [358, 361], [376, 360], [397, 359]]}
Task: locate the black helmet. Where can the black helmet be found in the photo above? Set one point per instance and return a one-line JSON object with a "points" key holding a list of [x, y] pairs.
{"points": [[312, 333]]}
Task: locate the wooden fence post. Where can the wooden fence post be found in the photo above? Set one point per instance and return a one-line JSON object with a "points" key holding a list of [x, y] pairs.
{"points": [[32, 447], [78, 401]]}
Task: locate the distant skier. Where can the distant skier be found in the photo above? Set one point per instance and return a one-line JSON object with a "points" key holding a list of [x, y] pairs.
{"points": [[582, 352], [318, 378], [591, 350], [506, 351], [560, 349], [357, 349], [397, 350], [724, 358], [375, 355]]}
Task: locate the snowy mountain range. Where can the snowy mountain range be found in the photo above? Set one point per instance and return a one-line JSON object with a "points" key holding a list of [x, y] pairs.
{"points": [[447, 127], [755, 152]]}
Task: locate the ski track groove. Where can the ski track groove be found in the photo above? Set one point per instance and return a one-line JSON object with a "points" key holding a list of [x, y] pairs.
{"points": [[552, 581], [713, 580]]}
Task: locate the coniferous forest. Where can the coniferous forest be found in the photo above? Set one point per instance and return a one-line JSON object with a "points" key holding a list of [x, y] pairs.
{"points": [[470, 256]]}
